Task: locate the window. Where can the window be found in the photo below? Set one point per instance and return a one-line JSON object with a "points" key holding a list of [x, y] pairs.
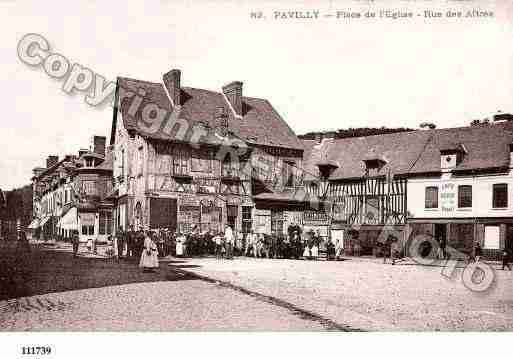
{"points": [[500, 195], [122, 175], [89, 163], [180, 162], [105, 223], [288, 174], [431, 200], [492, 237], [89, 188], [139, 161], [88, 230], [229, 167], [246, 219], [201, 161], [464, 196]]}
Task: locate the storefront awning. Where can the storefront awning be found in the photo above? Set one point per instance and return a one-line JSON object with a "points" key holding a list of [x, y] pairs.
{"points": [[69, 220], [34, 224]]}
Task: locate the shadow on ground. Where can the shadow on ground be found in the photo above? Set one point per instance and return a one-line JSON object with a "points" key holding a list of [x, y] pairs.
{"points": [[26, 272]]}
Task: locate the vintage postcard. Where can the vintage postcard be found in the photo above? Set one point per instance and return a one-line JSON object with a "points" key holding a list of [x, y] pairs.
{"points": [[241, 166]]}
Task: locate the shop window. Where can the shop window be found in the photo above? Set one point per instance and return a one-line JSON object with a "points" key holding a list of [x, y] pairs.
{"points": [[464, 196], [431, 200], [492, 237], [500, 195], [188, 217]]}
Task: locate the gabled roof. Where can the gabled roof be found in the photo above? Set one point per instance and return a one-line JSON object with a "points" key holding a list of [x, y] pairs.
{"points": [[260, 123], [412, 152]]}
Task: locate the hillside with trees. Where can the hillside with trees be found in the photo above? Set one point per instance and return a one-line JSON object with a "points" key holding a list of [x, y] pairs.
{"points": [[353, 132]]}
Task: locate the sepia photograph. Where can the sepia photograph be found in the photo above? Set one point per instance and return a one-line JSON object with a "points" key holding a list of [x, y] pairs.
{"points": [[250, 167]]}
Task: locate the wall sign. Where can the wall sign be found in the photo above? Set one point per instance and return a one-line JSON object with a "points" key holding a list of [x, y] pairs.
{"points": [[448, 197]]}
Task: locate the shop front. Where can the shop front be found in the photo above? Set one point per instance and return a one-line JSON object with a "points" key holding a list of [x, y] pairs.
{"points": [[461, 235]]}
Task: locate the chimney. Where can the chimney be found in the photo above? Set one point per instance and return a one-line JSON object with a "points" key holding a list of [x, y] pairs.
{"points": [[172, 83], [99, 143], [82, 152], [51, 161], [502, 117], [233, 92], [38, 171]]}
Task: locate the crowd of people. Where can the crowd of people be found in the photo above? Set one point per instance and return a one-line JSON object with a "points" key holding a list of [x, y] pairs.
{"points": [[227, 244]]}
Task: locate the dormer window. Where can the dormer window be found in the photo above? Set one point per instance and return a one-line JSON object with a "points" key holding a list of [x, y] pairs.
{"points": [[89, 163], [451, 156], [326, 168], [373, 165]]}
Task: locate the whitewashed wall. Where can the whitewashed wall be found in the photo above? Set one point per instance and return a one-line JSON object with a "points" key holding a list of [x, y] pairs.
{"points": [[482, 194]]}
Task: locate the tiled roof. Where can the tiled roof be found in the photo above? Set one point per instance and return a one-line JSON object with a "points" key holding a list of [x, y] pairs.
{"points": [[412, 152], [108, 164], [487, 147], [260, 123]]}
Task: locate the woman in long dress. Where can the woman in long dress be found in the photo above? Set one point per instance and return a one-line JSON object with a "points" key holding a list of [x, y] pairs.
{"points": [[149, 257], [180, 245]]}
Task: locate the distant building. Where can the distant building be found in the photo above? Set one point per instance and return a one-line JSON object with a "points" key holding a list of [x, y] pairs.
{"points": [[71, 194]]}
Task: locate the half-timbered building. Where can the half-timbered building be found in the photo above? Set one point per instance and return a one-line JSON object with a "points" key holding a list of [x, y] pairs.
{"points": [[187, 157], [452, 185], [364, 183]]}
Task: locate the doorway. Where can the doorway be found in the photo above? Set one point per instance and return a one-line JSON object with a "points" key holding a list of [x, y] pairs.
{"points": [[508, 244], [231, 215]]}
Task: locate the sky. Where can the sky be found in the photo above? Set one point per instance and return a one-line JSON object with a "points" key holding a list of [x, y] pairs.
{"points": [[319, 74]]}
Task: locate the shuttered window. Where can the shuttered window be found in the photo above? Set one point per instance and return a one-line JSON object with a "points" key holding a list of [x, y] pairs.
{"points": [[464, 196], [500, 195], [431, 200]]}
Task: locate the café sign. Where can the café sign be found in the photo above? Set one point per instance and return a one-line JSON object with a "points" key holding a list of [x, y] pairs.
{"points": [[448, 197]]}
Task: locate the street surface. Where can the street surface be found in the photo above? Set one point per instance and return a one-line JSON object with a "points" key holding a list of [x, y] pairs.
{"points": [[47, 289], [364, 293]]}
